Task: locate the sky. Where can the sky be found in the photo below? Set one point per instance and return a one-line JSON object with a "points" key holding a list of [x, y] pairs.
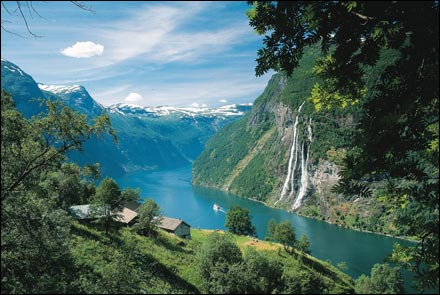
{"points": [[145, 53]]}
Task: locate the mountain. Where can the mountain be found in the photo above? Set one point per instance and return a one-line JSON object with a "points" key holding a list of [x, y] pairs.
{"points": [[287, 155], [75, 96], [25, 89], [165, 137], [148, 137], [220, 113]]}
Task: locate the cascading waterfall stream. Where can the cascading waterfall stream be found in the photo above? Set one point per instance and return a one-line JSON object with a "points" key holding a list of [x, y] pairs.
{"points": [[292, 180], [304, 173], [293, 152]]}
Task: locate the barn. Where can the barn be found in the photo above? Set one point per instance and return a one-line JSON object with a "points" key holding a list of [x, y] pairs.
{"points": [[176, 226]]}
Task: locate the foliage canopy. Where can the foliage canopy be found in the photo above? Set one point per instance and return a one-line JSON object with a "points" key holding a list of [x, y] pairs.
{"points": [[398, 132]]}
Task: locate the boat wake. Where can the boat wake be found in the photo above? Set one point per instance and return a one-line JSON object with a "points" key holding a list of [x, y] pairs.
{"points": [[218, 208]]}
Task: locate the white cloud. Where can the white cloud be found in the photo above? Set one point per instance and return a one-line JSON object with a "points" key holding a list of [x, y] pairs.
{"points": [[133, 97], [223, 100], [83, 50]]}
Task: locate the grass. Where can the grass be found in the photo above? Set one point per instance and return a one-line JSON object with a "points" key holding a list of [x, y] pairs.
{"points": [[170, 262]]}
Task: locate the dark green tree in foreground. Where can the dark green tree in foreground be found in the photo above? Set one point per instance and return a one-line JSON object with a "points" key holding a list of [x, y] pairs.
{"points": [[397, 44], [216, 258], [224, 270], [35, 230], [238, 221], [149, 217], [384, 280]]}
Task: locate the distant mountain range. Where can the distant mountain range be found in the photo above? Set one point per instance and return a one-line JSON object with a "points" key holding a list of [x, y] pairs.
{"points": [[149, 137], [220, 113]]}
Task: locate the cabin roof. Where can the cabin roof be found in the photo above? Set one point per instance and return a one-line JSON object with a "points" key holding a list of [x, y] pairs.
{"points": [[88, 212], [126, 216], [171, 223]]}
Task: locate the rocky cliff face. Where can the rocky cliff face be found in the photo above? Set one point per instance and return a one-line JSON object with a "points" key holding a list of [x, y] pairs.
{"points": [[269, 155], [296, 173], [286, 154]]}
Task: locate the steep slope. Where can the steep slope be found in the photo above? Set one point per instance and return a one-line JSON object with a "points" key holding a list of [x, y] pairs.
{"points": [[287, 155], [167, 264], [25, 89]]}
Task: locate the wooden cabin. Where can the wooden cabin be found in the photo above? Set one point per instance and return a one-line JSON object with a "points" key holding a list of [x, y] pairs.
{"points": [[176, 226]]}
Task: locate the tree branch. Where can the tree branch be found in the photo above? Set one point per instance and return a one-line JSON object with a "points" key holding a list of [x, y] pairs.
{"points": [[18, 11], [25, 21], [364, 17], [43, 162]]}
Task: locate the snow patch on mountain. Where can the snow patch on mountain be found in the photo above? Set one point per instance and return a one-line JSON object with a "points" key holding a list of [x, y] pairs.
{"points": [[11, 67], [58, 89], [224, 111]]}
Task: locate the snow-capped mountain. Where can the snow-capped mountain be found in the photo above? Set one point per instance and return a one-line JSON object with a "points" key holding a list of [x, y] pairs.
{"points": [[75, 96], [222, 112]]}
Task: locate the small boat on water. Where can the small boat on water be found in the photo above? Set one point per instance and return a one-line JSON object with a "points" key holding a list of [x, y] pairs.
{"points": [[216, 207]]}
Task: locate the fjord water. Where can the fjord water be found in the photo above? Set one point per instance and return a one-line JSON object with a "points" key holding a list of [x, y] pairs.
{"points": [[173, 192]]}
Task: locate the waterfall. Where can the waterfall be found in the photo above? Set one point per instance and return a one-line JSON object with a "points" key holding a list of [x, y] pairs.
{"points": [[292, 179], [309, 129], [293, 153], [304, 173]]}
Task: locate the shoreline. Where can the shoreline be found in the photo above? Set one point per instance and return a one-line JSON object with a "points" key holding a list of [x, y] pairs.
{"points": [[288, 211], [358, 229]]}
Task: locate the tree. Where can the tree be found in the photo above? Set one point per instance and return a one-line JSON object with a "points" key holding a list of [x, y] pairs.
{"points": [[303, 244], [263, 275], [384, 280], [271, 230], [300, 281], [383, 57], [35, 231], [215, 260], [68, 186], [43, 141], [148, 218], [238, 221], [285, 234], [224, 270], [109, 201]]}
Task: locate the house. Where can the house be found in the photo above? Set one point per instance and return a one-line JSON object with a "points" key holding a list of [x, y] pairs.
{"points": [[126, 216], [176, 226], [88, 212]]}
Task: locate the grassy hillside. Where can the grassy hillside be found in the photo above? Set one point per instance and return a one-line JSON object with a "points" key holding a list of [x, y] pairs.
{"points": [[127, 262]]}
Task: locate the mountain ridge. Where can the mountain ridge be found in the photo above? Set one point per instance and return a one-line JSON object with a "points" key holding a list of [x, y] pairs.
{"points": [[149, 137]]}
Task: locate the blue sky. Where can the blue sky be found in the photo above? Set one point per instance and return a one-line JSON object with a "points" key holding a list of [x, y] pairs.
{"points": [[145, 53]]}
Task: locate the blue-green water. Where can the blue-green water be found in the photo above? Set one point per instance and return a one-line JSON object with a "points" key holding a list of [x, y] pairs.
{"points": [[173, 191]]}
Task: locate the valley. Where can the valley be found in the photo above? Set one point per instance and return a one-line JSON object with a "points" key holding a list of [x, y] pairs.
{"points": [[192, 147]]}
